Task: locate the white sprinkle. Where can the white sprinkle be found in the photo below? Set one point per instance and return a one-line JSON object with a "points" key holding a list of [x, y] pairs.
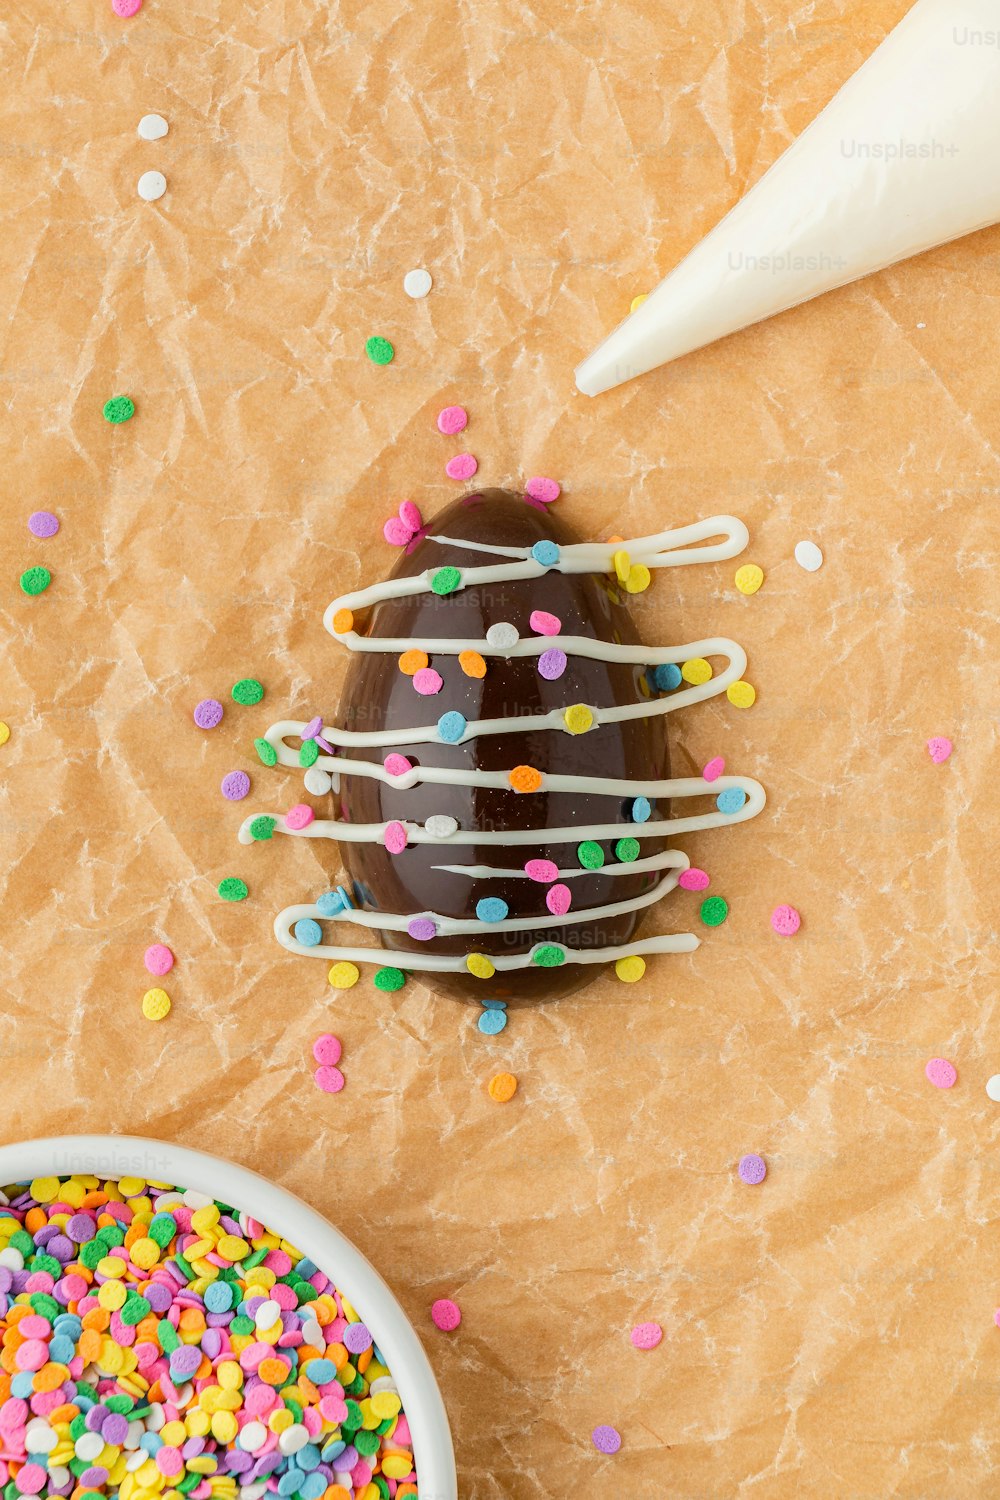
{"points": [[152, 185], [136, 1459], [58, 1476], [12, 1258], [267, 1314], [252, 1437], [993, 1088], [417, 283], [153, 127], [502, 636], [317, 781], [440, 826], [808, 556], [89, 1445], [39, 1437], [921, 325], [194, 1199], [293, 1439]]}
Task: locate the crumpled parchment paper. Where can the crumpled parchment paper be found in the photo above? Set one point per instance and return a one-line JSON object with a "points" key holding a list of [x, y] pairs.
{"points": [[830, 1333]]}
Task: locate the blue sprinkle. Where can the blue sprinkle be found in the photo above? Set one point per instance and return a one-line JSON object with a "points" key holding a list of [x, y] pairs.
{"points": [[306, 1268], [667, 677], [329, 904], [62, 1349], [218, 1297], [731, 800], [308, 1459], [151, 1443], [308, 932], [493, 1004], [334, 1448], [492, 1022], [322, 1371], [313, 1485], [641, 810], [23, 1385], [451, 727], [546, 553], [289, 1482], [491, 909]]}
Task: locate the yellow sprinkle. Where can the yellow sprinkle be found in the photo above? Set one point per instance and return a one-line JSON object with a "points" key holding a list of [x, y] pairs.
{"points": [[145, 1253], [637, 301], [344, 976], [131, 1186], [229, 1375], [386, 1404], [232, 1247], [741, 694], [630, 969], [696, 671], [749, 578], [155, 1004], [112, 1295], [638, 579], [476, 963], [45, 1189], [173, 1434], [224, 1426], [578, 719], [394, 1466], [622, 563], [112, 1266], [198, 1422], [281, 1419]]}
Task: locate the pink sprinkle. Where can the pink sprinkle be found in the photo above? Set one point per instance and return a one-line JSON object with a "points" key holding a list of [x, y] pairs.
{"points": [[397, 765], [544, 623], [462, 466], [552, 664], [786, 921], [453, 419], [940, 1072], [427, 682], [558, 899], [545, 490], [396, 532], [327, 1049], [395, 838], [714, 769], [939, 749], [158, 960], [126, 8], [330, 1080], [996, 1317], [542, 870], [692, 880], [410, 516], [31, 1479], [446, 1314], [646, 1335], [421, 928], [299, 816]]}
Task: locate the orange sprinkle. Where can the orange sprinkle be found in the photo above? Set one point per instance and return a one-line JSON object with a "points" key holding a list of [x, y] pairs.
{"points": [[337, 1492], [50, 1377], [192, 1320], [97, 1318], [95, 1198], [272, 1371], [61, 1413], [34, 1219], [363, 1360], [525, 779], [406, 1491], [90, 1345], [472, 663], [343, 621], [4, 1388], [339, 1354], [502, 1086], [412, 661], [7, 1362]]}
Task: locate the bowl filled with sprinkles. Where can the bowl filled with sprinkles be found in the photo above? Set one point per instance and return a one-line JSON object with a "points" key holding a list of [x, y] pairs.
{"points": [[173, 1325]]}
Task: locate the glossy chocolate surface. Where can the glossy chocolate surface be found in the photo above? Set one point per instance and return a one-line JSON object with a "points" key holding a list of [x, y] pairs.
{"points": [[377, 695]]}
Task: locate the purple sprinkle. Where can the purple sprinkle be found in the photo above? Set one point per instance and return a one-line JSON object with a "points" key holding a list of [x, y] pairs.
{"points": [[606, 1439], [91, 1478], [211, 1343], [235, 786], [752, 1169], [185, 1361], [348, 1458], [195, 1446], [552, 664], [6, 1280], [421, 928], [208, 713], [357, 1338], [324, 744], [313, 728], [43, 523], [81, 1228], [61, 1248], [96, 1418], [114, 1429], [157, 1295]]}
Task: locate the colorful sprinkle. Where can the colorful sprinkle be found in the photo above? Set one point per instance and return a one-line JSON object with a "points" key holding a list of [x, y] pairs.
{"points": [[208, 713], [646, 1335], [993, 1088], [379, 350], [542, 870], [42, 523], [126, 8], [749, 578], [451, 727], [731, 800], [343, 621], [266, 752], [503, 636], [741, 694], [235, 786], [525, 779], [452, 420], [4, 732], [543, 623], [472, 663], [941, 1073], [422, 929], [808, 556], [446, 581], [156, 1005], [417, 283], [667, 676], [441, 825], [317, 782], [394, 837], [35, 580], [559, 899], [120, 408], [638, 580], [590, 854], [692, 880], [546, 553], [492, 1022], [151, 186], [389, 979], [579, 718], [397, 765], [462, 466], [152, 128], [343, 975], [247, 691], [308, 933], [446, 1314], [637, 302], [552, 664], [752, 1169], [233, 889], [544, 490], [327, 1049], [786, 921], [697, 671], [714, 911], [606, 1439], [714, 769], [158, 959], [627, 850], [262, 828], [330, 1080], [299, 817], [427, 682], [502, 1087], [549, 956], [491, 909], [630, 969], [308, 753], [481, 966], [939, 749]]}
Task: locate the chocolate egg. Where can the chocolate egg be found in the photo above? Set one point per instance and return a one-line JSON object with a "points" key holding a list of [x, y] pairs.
{"points": [[459, 880]]}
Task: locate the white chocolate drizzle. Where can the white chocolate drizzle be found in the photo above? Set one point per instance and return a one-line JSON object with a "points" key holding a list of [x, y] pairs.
{"points": [[664, 549]]}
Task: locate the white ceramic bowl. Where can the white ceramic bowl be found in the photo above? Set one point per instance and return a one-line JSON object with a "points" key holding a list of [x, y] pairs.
{"points": [[114, 1156]]}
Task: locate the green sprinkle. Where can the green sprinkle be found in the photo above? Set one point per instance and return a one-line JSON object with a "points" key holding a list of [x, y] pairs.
{"points": [[91, 1254], [381, 1486], [45, 1263], [133, 1311], [111, 1236], [309, 753], [354, 1417], [78, 1466], [262, 828], [45, 1305], [242, 1325], [357, 1387], [390, 979], [266, 751], [248, 691], [188, 1483], [590, 855], [162, 1228], [119, 409], [233, 889], [446, 580], [549, 956], [379, 350], [255, 1259], [121, 1404], [714, 911], [367, 1443], [184, 1267], [627, 850], [35, 580], [296, 1410], [21, 1240], [78, 1427]]}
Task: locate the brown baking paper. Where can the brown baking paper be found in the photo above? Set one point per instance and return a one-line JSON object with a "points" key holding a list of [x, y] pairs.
{"points": [[830, 1333]]}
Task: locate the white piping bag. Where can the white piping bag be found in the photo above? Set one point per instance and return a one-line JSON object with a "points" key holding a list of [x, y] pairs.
{"points": [[904, 157]]}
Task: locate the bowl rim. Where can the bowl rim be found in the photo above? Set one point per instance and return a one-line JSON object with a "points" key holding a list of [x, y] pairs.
{"points": [[114, 1156]]}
